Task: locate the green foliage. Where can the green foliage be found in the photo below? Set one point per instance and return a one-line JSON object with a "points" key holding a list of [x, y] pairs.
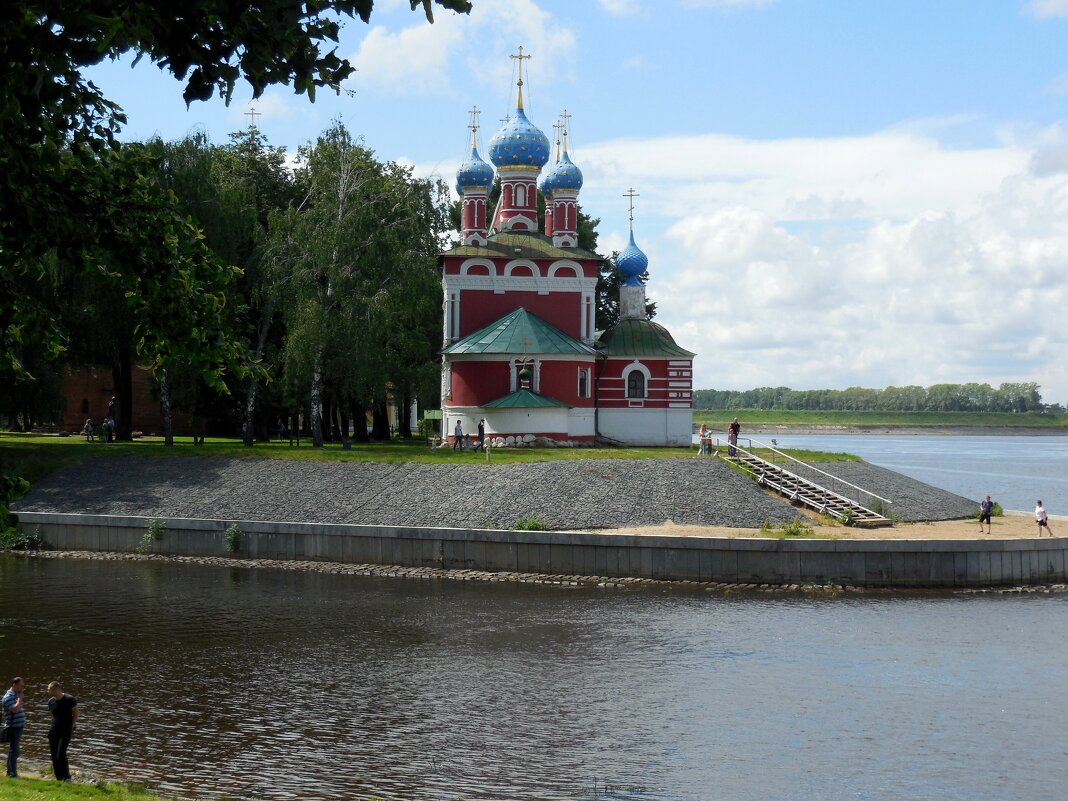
{"points": [[997, 511], [154, 532], [233, 536], [793, 529], [11, 489], [531, 523], [19, 540], [1014, 398]]}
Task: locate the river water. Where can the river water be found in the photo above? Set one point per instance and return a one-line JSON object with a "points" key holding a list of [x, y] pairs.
{"points": [[1015, 471], [283, 684]]}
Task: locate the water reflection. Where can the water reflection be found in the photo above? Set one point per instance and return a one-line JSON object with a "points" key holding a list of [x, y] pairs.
{"points": [[281, 684]]}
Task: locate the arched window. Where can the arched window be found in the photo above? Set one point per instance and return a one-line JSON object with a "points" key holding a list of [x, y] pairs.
{"points": [[636, 384], [520, 195], [85, 406]]}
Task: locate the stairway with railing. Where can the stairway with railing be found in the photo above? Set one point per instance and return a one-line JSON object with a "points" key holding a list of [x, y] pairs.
{"points": [[816, 489]]}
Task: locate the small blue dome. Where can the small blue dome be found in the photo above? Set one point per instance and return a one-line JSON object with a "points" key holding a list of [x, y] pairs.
{"points": [[519, 143], [473, 172], [563, 175], [632, 262]]}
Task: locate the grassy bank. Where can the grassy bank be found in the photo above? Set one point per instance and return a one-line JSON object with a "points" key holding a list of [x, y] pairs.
{"points": [[26, 789], [718, 419], [50, 790], [35, 456]]}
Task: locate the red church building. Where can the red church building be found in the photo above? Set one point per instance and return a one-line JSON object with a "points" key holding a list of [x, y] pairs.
{"points": [[520, 348]]}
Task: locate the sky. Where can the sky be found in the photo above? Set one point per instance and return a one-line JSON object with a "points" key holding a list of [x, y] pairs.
{"points": [[832, 193]]}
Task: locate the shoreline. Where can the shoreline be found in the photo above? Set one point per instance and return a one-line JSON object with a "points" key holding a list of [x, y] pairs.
{"points": [[815, 588], [808, 429]]}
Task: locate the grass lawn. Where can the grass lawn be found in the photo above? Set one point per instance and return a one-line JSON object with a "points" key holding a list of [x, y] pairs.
{"points": [[718, 419], [35, 456]]}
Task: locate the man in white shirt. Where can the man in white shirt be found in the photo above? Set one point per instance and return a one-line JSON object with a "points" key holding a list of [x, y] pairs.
{"points": [[1042, 519]]}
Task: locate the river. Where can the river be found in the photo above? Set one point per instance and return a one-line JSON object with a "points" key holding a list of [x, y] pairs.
{"points": [[282, 684], [1015, 471]]}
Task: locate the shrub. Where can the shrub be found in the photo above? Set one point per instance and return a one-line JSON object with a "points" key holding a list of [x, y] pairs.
{"points": [[531, 523], [233, 538], [18, 540], [154, 532]]}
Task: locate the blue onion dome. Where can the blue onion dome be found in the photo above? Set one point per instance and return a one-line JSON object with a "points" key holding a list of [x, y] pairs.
{"points": [[519, 144], [473, 172], [632, 262], [563, 175]]}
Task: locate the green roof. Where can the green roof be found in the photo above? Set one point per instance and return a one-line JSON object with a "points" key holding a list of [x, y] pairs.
{"points": [[524, 399], [520, 332], [521, 245], [636, 337]]}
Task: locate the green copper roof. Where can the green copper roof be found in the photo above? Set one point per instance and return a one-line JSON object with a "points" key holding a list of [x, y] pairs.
{"points": [[519, 332], [521, 245], [632, 337], [524, 399]]}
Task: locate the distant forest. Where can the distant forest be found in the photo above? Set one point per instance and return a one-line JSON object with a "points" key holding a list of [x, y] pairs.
{"points": [[1022, 397]]}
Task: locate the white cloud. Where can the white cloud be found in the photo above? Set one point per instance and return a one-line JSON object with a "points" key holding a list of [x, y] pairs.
{"points": [[1048, 8], [868, 260], [619, 7], [421, 58], [1059, 85], [729, 3]]}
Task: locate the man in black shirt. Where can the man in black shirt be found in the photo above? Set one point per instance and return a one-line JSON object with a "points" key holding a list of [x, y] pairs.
{"points": [[64, 709]]}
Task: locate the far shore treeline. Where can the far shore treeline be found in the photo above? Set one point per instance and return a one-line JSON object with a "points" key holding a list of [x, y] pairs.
{"points": [[1007, 397]]}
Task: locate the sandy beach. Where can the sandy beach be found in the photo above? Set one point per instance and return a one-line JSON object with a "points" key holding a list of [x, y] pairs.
{"points": [[1012, 526]]}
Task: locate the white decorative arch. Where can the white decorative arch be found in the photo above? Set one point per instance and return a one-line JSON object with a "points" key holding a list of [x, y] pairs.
{"points": [[565, 264], [534, 271], [636, 366], [469, 263]]}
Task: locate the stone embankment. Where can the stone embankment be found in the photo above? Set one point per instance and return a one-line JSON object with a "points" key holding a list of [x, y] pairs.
{"points": [[571, 494]]}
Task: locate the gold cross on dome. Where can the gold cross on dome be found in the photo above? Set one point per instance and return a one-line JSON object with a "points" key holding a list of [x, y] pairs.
{"points": [[520, 58], [474, 112], [558, 126], [630, 193], [565, 117]]}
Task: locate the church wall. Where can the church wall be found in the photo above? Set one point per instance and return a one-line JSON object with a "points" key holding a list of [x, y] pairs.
{"points": [[560, 380], [670, 384], [646, 426], [475, 383], [479, 308]]}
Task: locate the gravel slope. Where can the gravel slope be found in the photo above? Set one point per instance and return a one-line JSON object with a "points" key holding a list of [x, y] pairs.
{"points": [[610, 493]]}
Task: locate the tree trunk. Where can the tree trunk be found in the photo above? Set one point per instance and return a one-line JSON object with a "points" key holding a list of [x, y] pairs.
{"points": [[380, 421], [359, 422], [343, 412], [316, 400], [165, 404], [248, 434], [404, 416], [122, 375]]}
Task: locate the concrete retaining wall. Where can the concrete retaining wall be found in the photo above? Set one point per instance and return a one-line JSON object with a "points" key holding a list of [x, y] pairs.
{"points": [[882, 563]]}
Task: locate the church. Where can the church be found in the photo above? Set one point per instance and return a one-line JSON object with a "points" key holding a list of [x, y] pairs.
{"points": [[520, 350]]}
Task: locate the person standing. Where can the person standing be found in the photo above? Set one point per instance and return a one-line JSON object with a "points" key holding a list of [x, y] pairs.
{"points": [[64, 709], [481, 435], [1042, 519], [732, 437], [701, 439], [986, 508], [458, 436], [14, 710]]}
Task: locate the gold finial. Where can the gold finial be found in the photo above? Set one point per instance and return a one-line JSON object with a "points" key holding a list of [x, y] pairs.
{"points": [[474, 112], [252, 115], [630, 193], [520, 58], [558, 126], [565, 117]]}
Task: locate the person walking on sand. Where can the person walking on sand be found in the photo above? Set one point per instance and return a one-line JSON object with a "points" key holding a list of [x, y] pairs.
{"points": [[14, 712], [64, 709], [986, 508], [1042, 519]]}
